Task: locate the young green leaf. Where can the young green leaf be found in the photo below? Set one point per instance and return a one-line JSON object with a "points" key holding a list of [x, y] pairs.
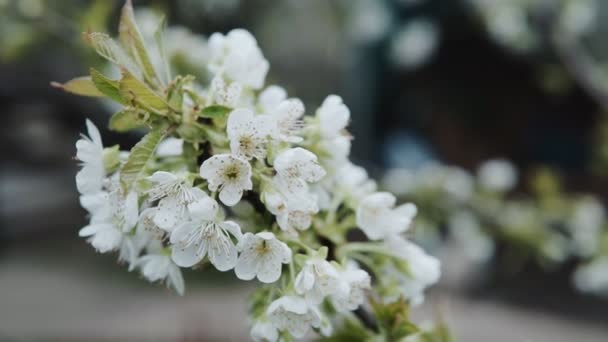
{"points": [[107, 48], [128, 119], [141, 155], [132, 41], [214, 112], [80, 86], [135, 90], [393, 319], [160, 42], [106, 86]]}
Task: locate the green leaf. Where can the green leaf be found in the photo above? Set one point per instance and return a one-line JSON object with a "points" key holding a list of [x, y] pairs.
{"points": [[393, 319], [106, 86], [128, 119], [176, 90], [160, 43], [135, 90], [132, 41], [80, 86], [107, 48], [141, 155], [214, 112]]}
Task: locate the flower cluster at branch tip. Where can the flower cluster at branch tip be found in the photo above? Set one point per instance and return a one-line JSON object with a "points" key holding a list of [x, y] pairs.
{"points": [[233, 174]]}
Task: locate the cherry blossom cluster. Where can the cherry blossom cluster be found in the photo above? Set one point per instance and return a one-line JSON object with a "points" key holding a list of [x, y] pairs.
{"points": [[232, 173], [480, 211]]}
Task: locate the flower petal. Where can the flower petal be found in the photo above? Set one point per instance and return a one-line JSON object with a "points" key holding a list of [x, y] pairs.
{"points": [[269, 269], [247, 264], [222, 253], [203, 209], [168, 213], [187, 256], [176, 280], [231, 194]]}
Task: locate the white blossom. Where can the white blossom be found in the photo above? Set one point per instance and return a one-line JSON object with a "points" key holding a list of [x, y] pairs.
{"points": [[248, 133], [104, 236], [317, 279], [158, 266], [586, 225], [296, 167], [293, 212], [170, 147], [174, 196], [89, 150], [146, 233], [261, 256], [466, 230], [116, 214], [497, 175], [225, 94], [592, 277], [351, 292], [270, 98], [293, 314], [229, 174], [205, 235], [354, 181], [284, 115], [264, 331], [414, 43], [424, 269], [238, 57], [334, 116], [378, 217]]}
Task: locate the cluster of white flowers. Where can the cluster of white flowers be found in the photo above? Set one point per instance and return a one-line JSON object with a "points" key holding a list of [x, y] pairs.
{"points": [[175, 200], [483, 210]]}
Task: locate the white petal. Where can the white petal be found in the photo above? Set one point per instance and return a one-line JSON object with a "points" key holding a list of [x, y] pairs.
{"points": [[170, 147], [305, 280], [187, 256], [271, 97], [285, 252], [295, 304], [222, 253], [181, 232], [93, 133], [240, 120], [269, 269], [203, 209], [168, 213], [131, 211], [106, 240], [93, 229], [162, 177], [232, 228], [231, 194], [211, 168], [90, 179], [247, 264], [177, 280], [333, 116], [96, 204]]}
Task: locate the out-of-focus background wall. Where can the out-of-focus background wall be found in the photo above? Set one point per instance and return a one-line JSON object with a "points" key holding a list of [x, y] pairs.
{"points": [[430, 84]]}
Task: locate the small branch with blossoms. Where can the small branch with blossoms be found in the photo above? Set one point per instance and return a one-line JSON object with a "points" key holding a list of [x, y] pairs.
{"points": [[231, 173]]}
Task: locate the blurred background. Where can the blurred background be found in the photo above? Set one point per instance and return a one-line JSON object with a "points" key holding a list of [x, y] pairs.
{"points": [[436, 90]]}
